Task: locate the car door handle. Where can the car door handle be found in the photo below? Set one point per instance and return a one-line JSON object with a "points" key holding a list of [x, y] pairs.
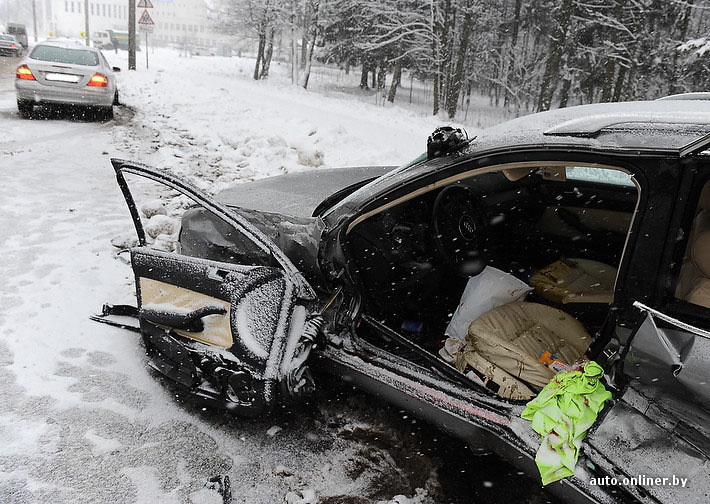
{"points": [[190, 321], [217, 274]]}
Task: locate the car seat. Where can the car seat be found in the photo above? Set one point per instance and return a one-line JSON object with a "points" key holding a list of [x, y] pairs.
{"points": [[505, 343], [694, 281], [575, 280]]}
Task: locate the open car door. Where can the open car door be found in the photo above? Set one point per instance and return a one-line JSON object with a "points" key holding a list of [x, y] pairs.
{"points": [[237, 335]]}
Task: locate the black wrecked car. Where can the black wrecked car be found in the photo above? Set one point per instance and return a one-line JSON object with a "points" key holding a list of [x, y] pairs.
{"points": [[602, 210]]}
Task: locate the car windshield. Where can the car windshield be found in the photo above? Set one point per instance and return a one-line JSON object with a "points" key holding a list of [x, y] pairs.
{"points": [[379, 180], [65, 55]]}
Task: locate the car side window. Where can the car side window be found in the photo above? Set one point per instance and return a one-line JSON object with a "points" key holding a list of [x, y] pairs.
{"points": [[599, 175], [693, 283]]}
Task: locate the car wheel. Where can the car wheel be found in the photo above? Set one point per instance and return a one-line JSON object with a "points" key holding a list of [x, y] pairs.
{"points": [[106, 113], [25, 108]]}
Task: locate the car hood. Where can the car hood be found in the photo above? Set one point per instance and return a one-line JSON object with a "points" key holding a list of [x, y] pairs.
{"points": [[296, 194]]}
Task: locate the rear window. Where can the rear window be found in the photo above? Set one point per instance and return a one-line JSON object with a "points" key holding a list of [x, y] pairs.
{"points": [[7, 37], [65, 55]]}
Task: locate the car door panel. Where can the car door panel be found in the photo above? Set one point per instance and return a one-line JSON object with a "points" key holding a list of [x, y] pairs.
{"points": [[235, 335]]}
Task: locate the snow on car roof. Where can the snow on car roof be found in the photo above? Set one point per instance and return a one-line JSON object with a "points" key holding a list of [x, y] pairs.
{"points": [[68, 43], [665, 125]]}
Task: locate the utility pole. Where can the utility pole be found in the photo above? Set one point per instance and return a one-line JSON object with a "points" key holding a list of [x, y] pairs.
{"points": [[131, 34], [34, 17], [86, 19]]}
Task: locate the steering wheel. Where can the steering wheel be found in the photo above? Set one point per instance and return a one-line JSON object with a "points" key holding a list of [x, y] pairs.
{"points": [[458, 226]]}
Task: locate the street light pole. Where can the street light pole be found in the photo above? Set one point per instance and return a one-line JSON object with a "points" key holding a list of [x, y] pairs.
{"points": [[34, 17], [131, 34], [86, 19]]}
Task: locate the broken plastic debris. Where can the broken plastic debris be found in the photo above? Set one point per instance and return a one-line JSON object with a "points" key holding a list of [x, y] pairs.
{"points": [[273, 431]]}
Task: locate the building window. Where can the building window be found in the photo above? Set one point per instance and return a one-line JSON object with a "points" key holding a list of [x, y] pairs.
{"points": [[78, 6], [91, 9], [103, 10], [66, 5], [72, 6]]}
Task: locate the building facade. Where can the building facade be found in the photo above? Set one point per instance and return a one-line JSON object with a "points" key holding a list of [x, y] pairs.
{"points": [[177, 22]]}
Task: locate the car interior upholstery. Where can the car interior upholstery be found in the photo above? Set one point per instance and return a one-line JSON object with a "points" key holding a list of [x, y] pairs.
{"points": [[694, 281], [564, 237]]}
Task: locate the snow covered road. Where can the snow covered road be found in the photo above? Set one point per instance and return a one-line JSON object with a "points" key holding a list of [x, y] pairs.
{"points": [[82, 420]]}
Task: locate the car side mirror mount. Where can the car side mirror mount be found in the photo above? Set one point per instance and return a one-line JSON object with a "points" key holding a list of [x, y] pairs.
{"points": [[444, 140]]}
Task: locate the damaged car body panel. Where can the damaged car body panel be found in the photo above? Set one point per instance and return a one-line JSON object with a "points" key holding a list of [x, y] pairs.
{"points": [[607, 227], [234, 335]]}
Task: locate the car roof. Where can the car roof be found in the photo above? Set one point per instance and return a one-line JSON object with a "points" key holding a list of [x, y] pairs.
{"points": [[67, 44], [679, 124]]}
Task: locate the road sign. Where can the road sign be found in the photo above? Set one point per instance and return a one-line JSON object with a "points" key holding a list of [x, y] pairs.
{"points": [[145, 4], [146, 19]]}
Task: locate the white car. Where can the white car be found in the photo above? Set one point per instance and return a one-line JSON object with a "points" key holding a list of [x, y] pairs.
{"points": [[9, 45], [202, 51], [66, 73]]}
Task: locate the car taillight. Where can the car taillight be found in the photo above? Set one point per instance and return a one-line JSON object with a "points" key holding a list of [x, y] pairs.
{"points": [[98, 80], [24, 73], [14, 46]]}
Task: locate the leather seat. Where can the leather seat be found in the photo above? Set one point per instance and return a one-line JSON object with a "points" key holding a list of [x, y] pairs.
{"points": [[694, 281], [505, 343], [576, 280]]}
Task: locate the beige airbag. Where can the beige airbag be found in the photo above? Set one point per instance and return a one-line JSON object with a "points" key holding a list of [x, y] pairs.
{"points": [[561, 280], [513, 336]]}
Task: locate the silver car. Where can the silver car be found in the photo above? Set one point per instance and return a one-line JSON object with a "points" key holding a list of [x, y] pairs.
{"points": [[9, 45], [66, 72]]}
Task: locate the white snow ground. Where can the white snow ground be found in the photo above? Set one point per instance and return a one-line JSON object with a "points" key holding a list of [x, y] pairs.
{"points": [[82, 420]]}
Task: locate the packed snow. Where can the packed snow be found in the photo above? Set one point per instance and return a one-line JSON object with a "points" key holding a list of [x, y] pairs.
{"points": [[82, 419]]}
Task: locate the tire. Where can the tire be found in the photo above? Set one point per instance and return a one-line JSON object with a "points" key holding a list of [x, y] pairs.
{"points": [[106, 113], [115, 98], [25, 108]]}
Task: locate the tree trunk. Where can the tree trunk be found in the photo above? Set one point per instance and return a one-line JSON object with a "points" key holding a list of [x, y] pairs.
{"points": [[564, 92], [619, 83], [259, 54], [266, 60], [294, 47], [436, 32], [673, 84], [396, 80], [559, 38], [452, 94], [509, 74], [363, 76], [382, 76], [309, 52], [607, 86]]}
